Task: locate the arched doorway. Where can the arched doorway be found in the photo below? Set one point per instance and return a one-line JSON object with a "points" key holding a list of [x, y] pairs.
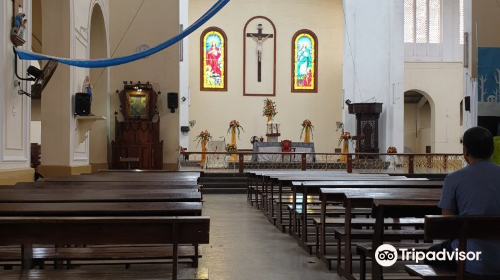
{"points": [[99, 78], [419, 122]]}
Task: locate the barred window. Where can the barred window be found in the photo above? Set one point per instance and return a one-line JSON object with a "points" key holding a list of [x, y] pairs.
{"points": [[422, 21]]}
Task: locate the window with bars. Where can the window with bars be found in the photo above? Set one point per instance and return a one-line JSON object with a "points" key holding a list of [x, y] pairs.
{"points": [[422, 21]]}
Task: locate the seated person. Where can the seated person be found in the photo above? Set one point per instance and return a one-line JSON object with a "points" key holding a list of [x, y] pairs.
{"points": [[473, 190]]}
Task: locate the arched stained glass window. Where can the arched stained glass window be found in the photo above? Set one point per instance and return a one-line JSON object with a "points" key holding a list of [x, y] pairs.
{"points": [[213, 64], [304, 61]]}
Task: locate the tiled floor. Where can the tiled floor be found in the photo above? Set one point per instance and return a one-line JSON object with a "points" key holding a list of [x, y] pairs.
{"points": [[244, 245]]}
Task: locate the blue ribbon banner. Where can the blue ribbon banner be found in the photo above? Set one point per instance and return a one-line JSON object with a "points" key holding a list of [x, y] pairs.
{"points": [[101, 63]]}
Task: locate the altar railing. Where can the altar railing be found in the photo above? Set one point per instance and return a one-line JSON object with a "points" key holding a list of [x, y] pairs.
{"points": [[351, 162]]}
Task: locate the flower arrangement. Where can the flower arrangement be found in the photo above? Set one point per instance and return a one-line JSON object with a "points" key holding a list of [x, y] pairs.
{"points": [[234, 124], [231, 148], [307, 125], [344, 136], [392, 150], [204, 135], [269, 108]]}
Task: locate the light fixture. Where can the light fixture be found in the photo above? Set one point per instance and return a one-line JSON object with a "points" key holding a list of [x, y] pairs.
{"points": [[183, 99]]}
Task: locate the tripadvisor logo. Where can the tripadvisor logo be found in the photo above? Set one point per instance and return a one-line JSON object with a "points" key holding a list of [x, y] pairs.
{"points": [[386, 255]]}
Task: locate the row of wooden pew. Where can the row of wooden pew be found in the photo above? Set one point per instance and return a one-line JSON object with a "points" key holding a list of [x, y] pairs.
{"points": [[340, 215], [111, 217]]}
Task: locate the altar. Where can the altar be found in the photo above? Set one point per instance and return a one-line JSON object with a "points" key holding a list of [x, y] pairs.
{"points": [[275, 147]]}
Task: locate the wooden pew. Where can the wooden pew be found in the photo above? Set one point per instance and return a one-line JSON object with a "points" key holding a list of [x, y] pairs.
{"points": [[363, 197], [461, 228], [101, 209], [283, 182], [393, 208], [25, 196], [257, 180], [120, 177], [107, 185], [113, 273], [102, 230], [313, 187], [104, 198]]}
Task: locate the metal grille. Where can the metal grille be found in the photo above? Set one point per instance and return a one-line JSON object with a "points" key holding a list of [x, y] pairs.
{"points": [[409, 21], [434, 21], [421, 16]]}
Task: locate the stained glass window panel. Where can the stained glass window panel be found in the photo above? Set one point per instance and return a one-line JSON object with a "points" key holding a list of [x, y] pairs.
{"points": [[213, 64], [304, 73]]}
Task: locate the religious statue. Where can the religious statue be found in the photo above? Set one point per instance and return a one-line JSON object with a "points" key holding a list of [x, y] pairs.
{"points": [[18, 20], [19, 25], [22, 28], [213, 57], [87, 87], [259, 37]]}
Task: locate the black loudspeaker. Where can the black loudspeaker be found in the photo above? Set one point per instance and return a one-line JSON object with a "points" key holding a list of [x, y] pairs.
{"points": [[82, 104], [172, 101], [467, 103]]}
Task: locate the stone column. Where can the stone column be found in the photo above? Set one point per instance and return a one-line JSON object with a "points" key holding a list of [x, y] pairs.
{"points": [[63, 152], [374, 64], [15, 109]]}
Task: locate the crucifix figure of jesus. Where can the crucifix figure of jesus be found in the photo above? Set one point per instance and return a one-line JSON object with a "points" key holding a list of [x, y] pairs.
{"points": [[259, 37]]}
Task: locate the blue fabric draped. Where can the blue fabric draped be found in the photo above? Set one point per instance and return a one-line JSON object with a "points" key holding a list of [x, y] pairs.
{"points": [[107, 62]]}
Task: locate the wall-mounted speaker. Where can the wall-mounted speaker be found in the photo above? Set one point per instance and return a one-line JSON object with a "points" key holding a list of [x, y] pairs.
{"points": [[82, 104], [172, 101], [467, 103]]}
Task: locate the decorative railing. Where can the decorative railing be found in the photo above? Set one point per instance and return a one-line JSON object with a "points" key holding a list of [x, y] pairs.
{"points": [[351, 162]]}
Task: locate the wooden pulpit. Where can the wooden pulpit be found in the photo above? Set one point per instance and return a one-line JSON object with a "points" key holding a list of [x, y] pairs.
{"points": [[367, 116]]}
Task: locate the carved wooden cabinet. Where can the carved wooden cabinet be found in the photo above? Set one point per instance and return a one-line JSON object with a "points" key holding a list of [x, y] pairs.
{"points": [[137, 142]]}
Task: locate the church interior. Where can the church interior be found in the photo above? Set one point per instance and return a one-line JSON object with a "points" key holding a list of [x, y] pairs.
{"points": [[128, 119]]}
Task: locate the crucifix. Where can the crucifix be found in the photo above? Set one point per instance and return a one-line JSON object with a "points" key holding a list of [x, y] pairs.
{"points": [[259, 37]]}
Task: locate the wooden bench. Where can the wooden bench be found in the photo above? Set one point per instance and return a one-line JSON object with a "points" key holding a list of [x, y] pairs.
{"points": [[109, 254], [112, 273], [27, 231], [119, 195], [461, 228], [363, 197]]}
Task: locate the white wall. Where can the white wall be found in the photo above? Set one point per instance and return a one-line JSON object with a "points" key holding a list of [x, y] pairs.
{"points": [[214, 110], [134, 23], [36, 132], [441, 84]]}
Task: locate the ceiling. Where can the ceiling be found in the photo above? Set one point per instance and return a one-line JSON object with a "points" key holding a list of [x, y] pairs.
{"points": [[413, 97]]}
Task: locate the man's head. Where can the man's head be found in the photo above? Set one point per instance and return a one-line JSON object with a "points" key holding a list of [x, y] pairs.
{"points": [[478, 144]]}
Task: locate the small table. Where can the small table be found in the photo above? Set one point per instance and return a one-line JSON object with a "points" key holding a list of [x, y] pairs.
{"points": [[129, 160]]}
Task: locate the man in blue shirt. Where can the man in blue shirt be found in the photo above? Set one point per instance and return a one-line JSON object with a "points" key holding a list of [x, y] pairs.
{"points": [[474, 190]]}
